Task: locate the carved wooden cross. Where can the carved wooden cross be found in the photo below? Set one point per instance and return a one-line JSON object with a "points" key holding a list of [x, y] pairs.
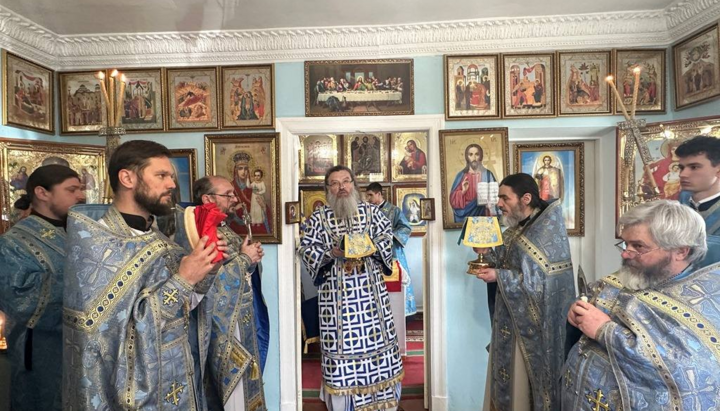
{"points": [[596, 401], [173, 396]]}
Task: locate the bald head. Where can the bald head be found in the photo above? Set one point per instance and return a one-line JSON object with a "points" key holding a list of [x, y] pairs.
{"points": [[215, 189]]}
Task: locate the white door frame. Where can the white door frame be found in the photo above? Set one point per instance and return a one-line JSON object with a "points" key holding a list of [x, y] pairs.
{"points": [[288, 283]]}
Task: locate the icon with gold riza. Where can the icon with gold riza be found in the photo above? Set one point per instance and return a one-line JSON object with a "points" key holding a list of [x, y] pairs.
{"points": [[480, 232]]}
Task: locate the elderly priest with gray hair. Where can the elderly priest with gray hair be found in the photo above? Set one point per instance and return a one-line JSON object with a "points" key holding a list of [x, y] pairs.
{"points": [[651, 339]]}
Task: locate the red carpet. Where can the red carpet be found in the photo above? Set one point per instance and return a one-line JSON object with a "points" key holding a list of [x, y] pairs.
{"points": [[412, 384]]}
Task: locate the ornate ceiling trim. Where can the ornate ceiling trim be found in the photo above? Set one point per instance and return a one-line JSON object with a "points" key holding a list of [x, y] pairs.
{"points": [[584, 31]]}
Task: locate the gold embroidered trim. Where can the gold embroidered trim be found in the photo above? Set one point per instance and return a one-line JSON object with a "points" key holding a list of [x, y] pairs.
{"points": [[646, 346], [130, 358], [698, 325], [541, 259], [118, 287], [366, 389], [613, 281]]}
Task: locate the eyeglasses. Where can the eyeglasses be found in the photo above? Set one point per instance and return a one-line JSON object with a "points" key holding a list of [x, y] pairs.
{"points": [[233, 195], [622, 247], [337, 184]]}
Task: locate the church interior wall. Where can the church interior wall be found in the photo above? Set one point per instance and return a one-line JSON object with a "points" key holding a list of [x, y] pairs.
{"points": [[468, 328]]}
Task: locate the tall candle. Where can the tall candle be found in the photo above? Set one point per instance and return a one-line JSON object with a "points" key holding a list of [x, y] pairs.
{"points": [[609, 79], [111, 109], [120, 109], [636, 86], [101, 77]]}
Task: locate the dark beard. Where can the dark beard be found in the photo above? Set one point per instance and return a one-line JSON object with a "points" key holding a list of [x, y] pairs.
{"points": [[153, 205]]}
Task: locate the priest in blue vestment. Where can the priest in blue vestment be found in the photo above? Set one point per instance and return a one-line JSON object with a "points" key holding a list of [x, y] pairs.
{"points": [[699, 159], [347, 247], [401, 231], [32, 255], [133, 297], [534, 286], [650, 331], [236, 354]]}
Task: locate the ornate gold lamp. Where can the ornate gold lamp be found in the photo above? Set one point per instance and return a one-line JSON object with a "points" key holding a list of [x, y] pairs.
{"points": [[480, 232]]}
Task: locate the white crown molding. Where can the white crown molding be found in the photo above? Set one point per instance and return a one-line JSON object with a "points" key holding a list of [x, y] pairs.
{"points": [[581, 31]]}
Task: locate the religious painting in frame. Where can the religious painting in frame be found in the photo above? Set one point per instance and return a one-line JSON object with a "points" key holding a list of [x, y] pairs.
{"points": [[427, 209], [318, 153], [697, 68], [252, 163], [366, 155], [559, 170], [652, 90], [528, 85], [19, 158], [28, 94], [292, 212], [81, 103], [248, 97], [471, 87], [185, 162], [408, 199], [582, 89], [192, 98], [408, 152], [359, 88], [467, 157], [633, 185], [310, 199], [387, 192], [143, 109]]}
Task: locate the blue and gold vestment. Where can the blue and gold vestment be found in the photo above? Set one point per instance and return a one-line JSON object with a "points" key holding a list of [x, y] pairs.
{"points": [[659, 352], [127, 319], [401, 231], [536, 287], [231, 360], [712, 229], [32, 255], [360, 353]]}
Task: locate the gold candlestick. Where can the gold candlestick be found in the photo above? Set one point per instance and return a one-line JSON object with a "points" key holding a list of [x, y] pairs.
{"points": [[636, 87], [120, 107], [111, 113]]}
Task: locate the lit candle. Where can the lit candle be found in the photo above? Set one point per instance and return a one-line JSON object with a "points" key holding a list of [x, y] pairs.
{"points": [[609, 79], [120, 109], [101, 77], [636, 86], [111, 111]]}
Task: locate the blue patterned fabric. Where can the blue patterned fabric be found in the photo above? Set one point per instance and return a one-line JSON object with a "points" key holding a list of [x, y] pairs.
{"points": [[126, 318], [401, 234], [536, 287], [712, 227], [360, 353], [661, 351], [32, 254]]}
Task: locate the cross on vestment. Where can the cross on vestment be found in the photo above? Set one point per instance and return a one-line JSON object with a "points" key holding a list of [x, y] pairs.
{"points": [[247, 221], [504, 374], [596, 401], [505, 332], [568, 381], [48, 233], [170, 297], [175, 390]]}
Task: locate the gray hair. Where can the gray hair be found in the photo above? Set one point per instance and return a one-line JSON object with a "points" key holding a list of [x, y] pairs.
{"points": [[672, 226]]}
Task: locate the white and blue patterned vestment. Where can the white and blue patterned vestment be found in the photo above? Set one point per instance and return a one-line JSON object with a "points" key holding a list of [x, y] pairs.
{"points": [[659, 352], [32, 255], [360, 353], [401, 234]]}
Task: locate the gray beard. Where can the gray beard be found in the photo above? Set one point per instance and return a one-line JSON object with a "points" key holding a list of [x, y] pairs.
{"points": [[641, 279], [510, 221], [345, 207]]}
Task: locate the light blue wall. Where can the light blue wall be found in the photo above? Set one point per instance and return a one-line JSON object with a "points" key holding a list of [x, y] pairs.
{"points": [[468, 332]]}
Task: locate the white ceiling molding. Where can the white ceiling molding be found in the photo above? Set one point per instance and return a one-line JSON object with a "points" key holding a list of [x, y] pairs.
{"points": [[580, 31]]}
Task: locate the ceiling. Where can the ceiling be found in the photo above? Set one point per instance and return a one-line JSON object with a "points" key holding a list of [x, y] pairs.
{"points": [[81, 17]]}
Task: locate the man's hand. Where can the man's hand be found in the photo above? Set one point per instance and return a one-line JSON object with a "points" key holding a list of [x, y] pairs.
{"points": [[587, 318], [197, 265], [465, 185], [252, 250], [337, 252], [489, 275]]}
